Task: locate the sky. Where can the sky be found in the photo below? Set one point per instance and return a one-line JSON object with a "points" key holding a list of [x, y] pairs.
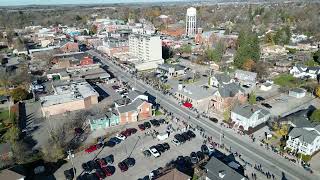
{"points": [[57, 2]]}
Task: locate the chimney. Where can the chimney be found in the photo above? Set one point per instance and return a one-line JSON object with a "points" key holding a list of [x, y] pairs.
{"points": [[222, 174]]}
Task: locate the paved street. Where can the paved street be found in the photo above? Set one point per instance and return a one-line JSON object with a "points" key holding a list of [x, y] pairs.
{"points": [[241, 144]]}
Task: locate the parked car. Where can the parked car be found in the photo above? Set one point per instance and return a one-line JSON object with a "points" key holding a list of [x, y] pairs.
{"points": [[78, 131], [100, 174], [146, 153], [132, 130], [101, 162], [162, 121], [186, 136], [154, 152], [130, 161], [109, 159], [155, 123], [204, 149], [160, 148], [180, 138], [166, 146], [259, 98], [141, 127], [194, 158], [69, 174], [91, 149], [93, 165], [109, 144], [266, 105], [86, 167], [215, 120], [147, 125], [123, 167], [121, 137], [176, 142], [115, 140], [107, 171], [200, 155], [191, 134], [126, 133]]}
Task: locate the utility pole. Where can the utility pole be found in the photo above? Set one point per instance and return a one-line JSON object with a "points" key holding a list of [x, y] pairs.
{"points": [[71, 156]]}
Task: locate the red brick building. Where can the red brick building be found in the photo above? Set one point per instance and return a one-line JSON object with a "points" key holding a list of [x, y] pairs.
{"points": [[86, 61], [69, 47]]}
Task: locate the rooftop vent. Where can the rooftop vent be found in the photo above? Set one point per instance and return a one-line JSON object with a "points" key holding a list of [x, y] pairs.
{"points": [[222, 174]]}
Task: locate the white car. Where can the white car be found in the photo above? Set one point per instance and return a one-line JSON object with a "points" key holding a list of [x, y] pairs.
{"points": [[211, 148], [176, 142], [121, 137], [154, 152]]}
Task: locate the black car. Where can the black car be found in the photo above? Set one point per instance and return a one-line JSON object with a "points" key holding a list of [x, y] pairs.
{"points": [[69, 174], [100, 173], [166, 146], [87, 176], [205, 149], [266, 105], [109, 144], [155, 122], [147, 125], [93, 164], [146, 153], [191, 134], [162, 121], [160, 148], [180, 138], [109, 159], [215, 120], [200, 155], [259, 98], [194, 158], [186, 136], [130, 161], [86, 167], [115, 140]]}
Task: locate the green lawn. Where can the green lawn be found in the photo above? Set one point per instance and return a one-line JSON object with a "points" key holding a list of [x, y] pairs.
{"points": [[158, 113], [287, 80]]}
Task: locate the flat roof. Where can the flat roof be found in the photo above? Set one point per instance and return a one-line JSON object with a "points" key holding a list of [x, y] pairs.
{"points": [[69, 92]]}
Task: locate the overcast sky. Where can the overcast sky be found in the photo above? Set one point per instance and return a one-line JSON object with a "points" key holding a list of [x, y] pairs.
{"points": [[55, 2]]}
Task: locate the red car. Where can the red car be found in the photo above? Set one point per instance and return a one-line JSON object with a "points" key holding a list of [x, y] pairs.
{"points": [[123, 167], [132, 130], [107, 171], [91, 149], [101, 162], [141, 127], [126, 133]]}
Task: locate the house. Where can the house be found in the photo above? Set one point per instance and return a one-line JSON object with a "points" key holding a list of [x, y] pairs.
{"points": [[227, 95], [69, 47], [171, 70], [198, 96], [135, 94], [297, 92], [304, 140], [57, 74], [86, 61], [101, 121], [246, 77], [249, 116], [300, 118], [134, 111], [217, 170], [302, 71], [220, 79], [5, 151], [173, 174], [8, 174], [266, 86], [282, 66]]}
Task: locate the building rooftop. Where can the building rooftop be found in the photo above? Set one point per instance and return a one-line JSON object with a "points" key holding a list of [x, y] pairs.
{"points": [[174, 174], [68, 92], [196, 92], [217, 170], [131, 106], [248, 110], [229, 90], [305, 135]]}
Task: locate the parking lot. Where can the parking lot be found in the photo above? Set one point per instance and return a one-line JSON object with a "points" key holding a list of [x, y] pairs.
{"points": [[133, 147]]}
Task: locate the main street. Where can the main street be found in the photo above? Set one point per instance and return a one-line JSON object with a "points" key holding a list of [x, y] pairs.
{"points": [[241, 144]]}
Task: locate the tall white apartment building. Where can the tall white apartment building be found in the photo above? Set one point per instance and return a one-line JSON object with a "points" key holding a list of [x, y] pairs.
{"points": [[147, 49], [191, 22]]}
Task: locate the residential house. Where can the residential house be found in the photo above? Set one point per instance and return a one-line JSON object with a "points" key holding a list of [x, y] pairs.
{"points": [[220, 79], [135, 94], [302, 71], [297, 92], [246, 77], [282, 66], [134, 111], [249, 116], [69, 47], [5, 151], [86, 61], [304, 140], [300, 118], [102, 121], [171, 70], [173, 174], [227, 95], [200, 96], [217, 170], [8, 174]]}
